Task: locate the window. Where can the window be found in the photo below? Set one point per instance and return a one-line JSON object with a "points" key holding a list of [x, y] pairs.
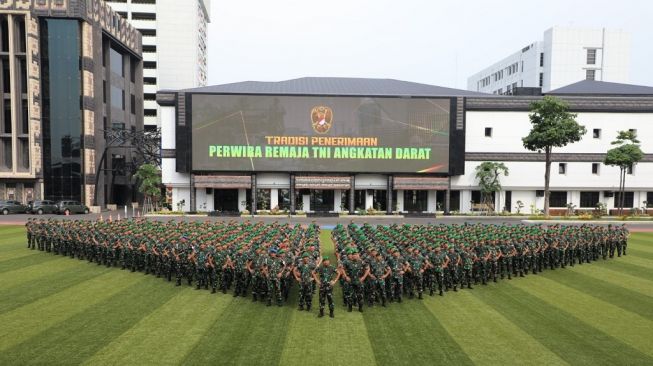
{"points": [[133, 104], [595, 168], [541, 59], [149, 48], [149, 64], [591, 56], [649, 199], [132, 70], [147, 32], [117, 97], [631, 169], [488, 131], [416, 201], [143, 16], [596, 133], [558, 199], [589, 199], [283, 197], [541, 79], [590, 74], [628, 199], [115, 61], [562, 168]]}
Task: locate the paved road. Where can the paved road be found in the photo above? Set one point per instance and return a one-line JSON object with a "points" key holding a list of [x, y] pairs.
{"points": [[326, 222]]}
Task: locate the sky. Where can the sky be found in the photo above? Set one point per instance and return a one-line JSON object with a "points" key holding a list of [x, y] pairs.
{"points": [[439, 42]]}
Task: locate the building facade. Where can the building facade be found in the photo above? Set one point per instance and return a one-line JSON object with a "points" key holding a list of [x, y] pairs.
{"points": [[174, 45], [563, 56], [71, 71], [483, 128]]}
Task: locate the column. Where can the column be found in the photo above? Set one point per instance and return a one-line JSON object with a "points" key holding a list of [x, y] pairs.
{"points": [[389, 195], [274, 198], [193, 198], [306, 200], [242, 197], [292, 194], [369, 199], [352, 192], [253, 194], [400, 200], [337, 200], [447, 201], [430, 201]]}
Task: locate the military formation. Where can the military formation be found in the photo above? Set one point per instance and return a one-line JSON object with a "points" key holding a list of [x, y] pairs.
{"points": [[388, 263], [374, 265]]}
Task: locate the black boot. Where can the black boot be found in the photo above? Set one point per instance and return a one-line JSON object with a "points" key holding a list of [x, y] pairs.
{"points": [[331, 313], [321, 313]]}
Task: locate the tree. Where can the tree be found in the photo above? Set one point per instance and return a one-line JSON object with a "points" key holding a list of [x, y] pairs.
{"points": [[624, 156], [488, 175], [150, 184], [553, 126]]}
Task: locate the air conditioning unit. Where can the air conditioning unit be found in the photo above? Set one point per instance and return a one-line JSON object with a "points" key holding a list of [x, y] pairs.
{"points": [[608, 194]]}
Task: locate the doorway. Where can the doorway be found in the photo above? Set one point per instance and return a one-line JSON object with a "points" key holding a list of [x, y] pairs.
{"points": [[225, 200], [322, 200]]}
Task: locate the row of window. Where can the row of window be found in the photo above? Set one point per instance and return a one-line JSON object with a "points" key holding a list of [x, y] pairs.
{"points": [[596, 132], [562, 169]]}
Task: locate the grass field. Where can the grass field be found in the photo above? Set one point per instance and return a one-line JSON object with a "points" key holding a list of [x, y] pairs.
{"points": [[56, 310]]}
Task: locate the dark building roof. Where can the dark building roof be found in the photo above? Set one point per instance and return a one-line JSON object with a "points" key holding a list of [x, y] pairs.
{"points": [[336, 86], [593, 87]]}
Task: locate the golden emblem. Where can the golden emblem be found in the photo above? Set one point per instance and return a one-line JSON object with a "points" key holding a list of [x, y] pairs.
{"points": [[321, 119]]}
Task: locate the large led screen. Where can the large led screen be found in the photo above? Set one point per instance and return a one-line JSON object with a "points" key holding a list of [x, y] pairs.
{"points": [[320, 134]]}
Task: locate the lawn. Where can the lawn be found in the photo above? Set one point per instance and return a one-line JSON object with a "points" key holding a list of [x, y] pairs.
{"points": [[56, 310]]}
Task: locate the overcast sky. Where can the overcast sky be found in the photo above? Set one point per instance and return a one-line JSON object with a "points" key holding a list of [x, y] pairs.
{"points": [[438, 42]]}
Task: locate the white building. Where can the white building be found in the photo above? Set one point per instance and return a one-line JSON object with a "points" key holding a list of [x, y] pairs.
{"points": [[484, 128], [174, 45], [564, 56]]}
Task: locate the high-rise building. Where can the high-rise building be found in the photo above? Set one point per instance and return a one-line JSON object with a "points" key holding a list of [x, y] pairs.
{"points": [[564, 56], [174, 45], [71, 70]]}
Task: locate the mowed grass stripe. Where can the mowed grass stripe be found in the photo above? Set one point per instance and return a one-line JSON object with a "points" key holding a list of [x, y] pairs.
{"points": [[23, 323], [408, 334], [559, 331], [341, 340], [20, 276], [36, 289], [615, 278], [619, 265], [640, 253], [245, 333], [168, 334], [641, 241], [614, 294], [637, 261], [486, 336], [79, 337], [624, 325], [29, 259]]}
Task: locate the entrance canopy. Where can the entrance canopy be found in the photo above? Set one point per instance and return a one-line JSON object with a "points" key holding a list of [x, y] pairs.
{"points": [[322, 182], [223, 181], [421, 183]]}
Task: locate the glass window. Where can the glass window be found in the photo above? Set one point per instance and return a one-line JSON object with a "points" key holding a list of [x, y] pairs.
{"points": [[6, 78], [595, 168], [62, 117], [415, 201], [132, 103], [541, 79], [21, 34], [628, 199], [263, 199], [7, 116], [541, 59], [488, 131], [4, 28], [649, 199], [359, 199], [115, 60], [590, 74], [322, 200], [7, 158], [23, 151], [596, 133], [22, 64], [591, 56], [24, 118], [117, 97], [380, 199], [589, 199], [562, 168], [283, 197], [558, 199]]}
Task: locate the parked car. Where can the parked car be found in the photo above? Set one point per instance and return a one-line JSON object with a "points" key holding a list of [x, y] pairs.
{"points": [[40, 207], [8, 206], [71, 207]]}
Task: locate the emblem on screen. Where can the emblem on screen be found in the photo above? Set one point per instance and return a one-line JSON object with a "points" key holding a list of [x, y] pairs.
{"points": [[321, 119]]}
